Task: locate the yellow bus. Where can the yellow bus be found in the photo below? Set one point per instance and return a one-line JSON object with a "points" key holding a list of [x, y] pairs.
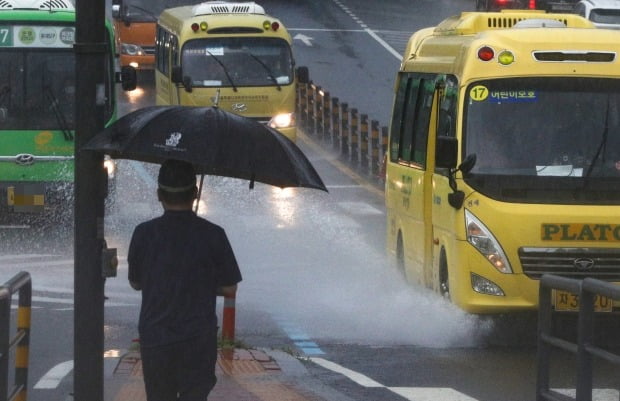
{"points": [[504, 158], [232, 55]]}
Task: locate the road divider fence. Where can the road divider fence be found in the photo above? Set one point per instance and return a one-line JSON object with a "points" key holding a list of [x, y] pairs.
{"points": [[584, 348], [21, 284], [359, 141]]}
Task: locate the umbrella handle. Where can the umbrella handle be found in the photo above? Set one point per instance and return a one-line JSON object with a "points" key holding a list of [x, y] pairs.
{"points": [[202, 177]]}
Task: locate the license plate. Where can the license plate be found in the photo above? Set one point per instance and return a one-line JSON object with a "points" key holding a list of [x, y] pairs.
{"points": [[26, 197], [569, 302]]}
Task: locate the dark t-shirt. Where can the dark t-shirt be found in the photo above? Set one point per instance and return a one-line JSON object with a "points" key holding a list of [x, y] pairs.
{"points": [[179, 260]]}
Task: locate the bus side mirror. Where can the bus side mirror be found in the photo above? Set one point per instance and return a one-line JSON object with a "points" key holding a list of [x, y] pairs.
{"points": [[303, 75], [128, 77], [187, 83], [446, 152], [177, 74]]}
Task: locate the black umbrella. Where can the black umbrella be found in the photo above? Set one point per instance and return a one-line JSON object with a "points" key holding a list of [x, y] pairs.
{"points": [[216, 142]]}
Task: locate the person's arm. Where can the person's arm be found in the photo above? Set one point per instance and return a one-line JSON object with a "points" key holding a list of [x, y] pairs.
{"points": [[227, 291]]}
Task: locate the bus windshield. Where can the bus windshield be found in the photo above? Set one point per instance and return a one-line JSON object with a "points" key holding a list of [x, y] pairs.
{"points": [[37, 89], [560, 127], [236, 61]]}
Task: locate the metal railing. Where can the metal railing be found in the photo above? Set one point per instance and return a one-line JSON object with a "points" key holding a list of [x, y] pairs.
{"points": [[21, 284], [584, 349]]}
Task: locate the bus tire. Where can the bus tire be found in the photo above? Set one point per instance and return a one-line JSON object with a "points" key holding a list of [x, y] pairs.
{"points": [[400, 254], [444, 284]]}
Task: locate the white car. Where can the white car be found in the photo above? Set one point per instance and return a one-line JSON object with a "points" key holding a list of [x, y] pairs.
{"points": [[603, 13]]}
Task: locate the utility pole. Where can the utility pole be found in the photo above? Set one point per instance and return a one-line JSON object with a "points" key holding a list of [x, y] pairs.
{"points": [[90, 50]]}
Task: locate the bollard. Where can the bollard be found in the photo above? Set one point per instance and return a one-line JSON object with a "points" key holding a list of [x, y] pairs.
{"points": [[375, 157], [318, 113], [228, 319], [344, 130], [326, 117], [311, 124], [353, 136], [364, 137], [336, 127], [302, 105]]}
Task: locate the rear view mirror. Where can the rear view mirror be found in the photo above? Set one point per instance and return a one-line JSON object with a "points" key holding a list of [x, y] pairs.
{"points": [[177, 74], [303, 75], [116, 11], [128, 77], [446, 152]]}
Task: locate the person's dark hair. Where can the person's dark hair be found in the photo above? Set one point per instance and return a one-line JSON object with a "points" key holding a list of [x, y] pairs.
{"points": [[176, 182]]}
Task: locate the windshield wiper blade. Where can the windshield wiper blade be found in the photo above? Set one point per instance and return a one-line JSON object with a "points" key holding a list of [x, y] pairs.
{"points": [[225, 70], [269, 73], [60, 116], [601, 145]]}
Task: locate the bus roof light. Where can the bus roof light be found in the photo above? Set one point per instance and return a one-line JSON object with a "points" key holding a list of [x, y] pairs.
{"points": [[203, 26], [195, 27], [486, 53], [275, 25], [266, 25], [506, 57]]}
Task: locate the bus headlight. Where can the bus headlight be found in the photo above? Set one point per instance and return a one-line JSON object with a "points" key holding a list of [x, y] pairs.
{"points": [[283, 120], [131, 49], [110, 166], [482, 239]]}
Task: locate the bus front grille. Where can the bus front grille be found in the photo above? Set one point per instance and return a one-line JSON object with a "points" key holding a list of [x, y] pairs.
{"points": [[600, 263]]}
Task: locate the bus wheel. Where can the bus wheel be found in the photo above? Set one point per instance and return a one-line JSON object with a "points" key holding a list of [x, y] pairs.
{"points": [[400, 254], [444, 286]]}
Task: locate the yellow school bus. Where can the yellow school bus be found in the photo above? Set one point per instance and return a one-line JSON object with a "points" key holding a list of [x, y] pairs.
{"points": [[504, 158], [232, 55]]}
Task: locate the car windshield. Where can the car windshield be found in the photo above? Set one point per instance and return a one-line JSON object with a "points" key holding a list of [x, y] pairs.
{"points": [[237, 61], [561, 127]]}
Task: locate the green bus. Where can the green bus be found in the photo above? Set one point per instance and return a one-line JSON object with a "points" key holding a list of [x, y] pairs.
{"points": [[37, 106]]}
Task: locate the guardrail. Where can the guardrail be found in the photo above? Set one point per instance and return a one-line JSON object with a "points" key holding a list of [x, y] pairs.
{"points": [[22, 284], [587, 290], [360, 142]]}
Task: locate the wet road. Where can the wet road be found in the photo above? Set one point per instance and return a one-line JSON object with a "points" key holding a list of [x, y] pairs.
{"points": [[317, 282]]}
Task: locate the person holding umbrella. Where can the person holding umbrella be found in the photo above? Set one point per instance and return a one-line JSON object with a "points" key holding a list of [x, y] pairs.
{"points": [[180, 262]]}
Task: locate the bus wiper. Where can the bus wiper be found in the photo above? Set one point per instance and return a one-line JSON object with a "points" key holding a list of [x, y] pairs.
{"points": [[269, 73], [4, 92], [60, 117], [601, 146], [225, 70]]}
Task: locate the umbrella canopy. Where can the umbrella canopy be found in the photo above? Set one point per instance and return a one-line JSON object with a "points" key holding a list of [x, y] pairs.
{"points": [[216, 142]]}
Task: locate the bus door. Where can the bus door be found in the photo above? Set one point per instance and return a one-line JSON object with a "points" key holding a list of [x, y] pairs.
{"points": [[410, 178]]}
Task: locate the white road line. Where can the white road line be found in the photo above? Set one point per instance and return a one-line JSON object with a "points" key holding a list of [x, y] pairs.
{"points": [[369, 31], [356, 377], [54, 376], [430, 394], [438, 393]]}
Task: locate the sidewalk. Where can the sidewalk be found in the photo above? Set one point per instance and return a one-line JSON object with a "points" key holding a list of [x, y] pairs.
{"points": [[242, 375]]}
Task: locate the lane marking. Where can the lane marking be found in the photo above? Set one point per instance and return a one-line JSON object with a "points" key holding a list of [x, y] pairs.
{"points": [[301, 340], [358, 378], [54, 376], [437, 393], [369, 31]]}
